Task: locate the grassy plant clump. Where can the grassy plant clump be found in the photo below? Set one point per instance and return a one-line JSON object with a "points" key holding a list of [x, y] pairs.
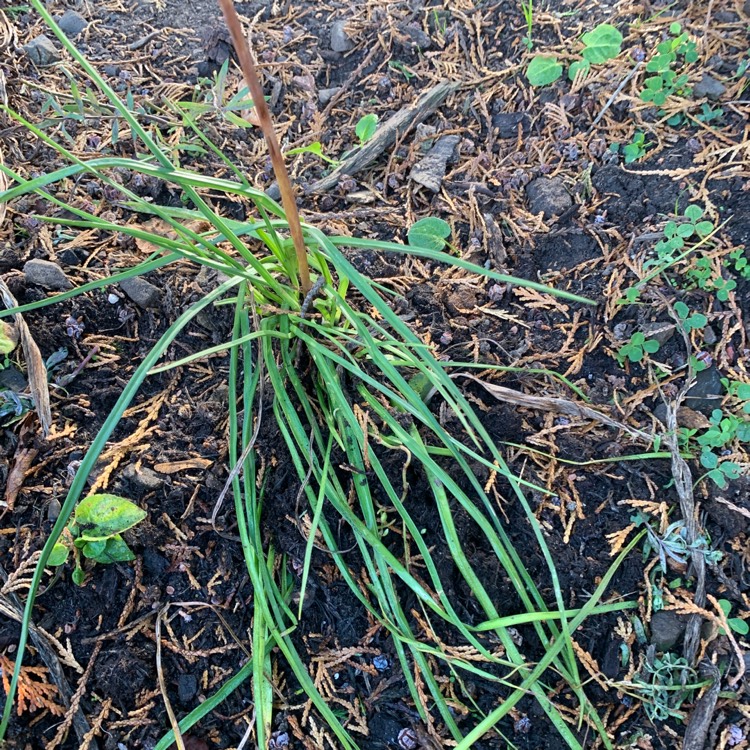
{"points": [[317, 347]]}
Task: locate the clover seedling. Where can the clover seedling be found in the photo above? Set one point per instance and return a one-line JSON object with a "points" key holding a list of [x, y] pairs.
{"points": [[95, 530], [665, 80], [634, 150], [689, 322], [737, 624], [637, 348]]}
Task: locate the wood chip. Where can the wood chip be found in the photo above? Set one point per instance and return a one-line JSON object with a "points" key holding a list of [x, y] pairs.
{"points": [[172, 467]]}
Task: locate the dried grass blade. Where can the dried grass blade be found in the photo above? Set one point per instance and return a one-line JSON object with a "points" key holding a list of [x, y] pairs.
{"points": [[34, 362]]}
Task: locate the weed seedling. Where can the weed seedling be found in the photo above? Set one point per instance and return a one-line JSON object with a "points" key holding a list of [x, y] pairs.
{"points": [[527, 8], [677, 234], [637, 348], [665, 81], [366, 127], [737, 624], [690, 322], [601, 44], [95, 532], [634, 150]]}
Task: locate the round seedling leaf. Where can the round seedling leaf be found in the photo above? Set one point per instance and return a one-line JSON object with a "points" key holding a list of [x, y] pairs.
{"points": [[681, 309], [366, 127], [93, 550], [602, 43], [103, 516], [116, 551], [704, 228], [739, 626], [543, 70], [429, 233], [59, 555], [579, 65], [693, 213]]}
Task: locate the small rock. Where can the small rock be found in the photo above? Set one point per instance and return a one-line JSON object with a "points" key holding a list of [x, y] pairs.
{"points": [[42, 51], [340, 41], [111, 70], [430, 171], [46, 274], [423, 135], [507, 123], [142, 292], [325, 95], [709, 336], [416, 36], [68, 257], [144, 477], [666, 629], [746, 8], [11, 378], [72, 23], [706, 393], [187, 688], [661, 332], [548, 196], [726, 16], [709, 87]]}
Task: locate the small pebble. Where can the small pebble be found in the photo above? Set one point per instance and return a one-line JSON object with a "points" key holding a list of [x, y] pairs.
{"points": [[113, 299]]}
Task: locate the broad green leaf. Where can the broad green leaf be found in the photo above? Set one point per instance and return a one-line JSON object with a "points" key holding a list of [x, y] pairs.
{"points": [[115, 551], [102, 516], [709, 460], [704, 228], [543, 70], [743, 391], [693, 213], [685, 230], [366, 127], [602, 43], [429, 233], [92, 550], [59, 555], [739, 626], [78, 576], [651, 346], [698, 320], [582, 65], [681, 309]]}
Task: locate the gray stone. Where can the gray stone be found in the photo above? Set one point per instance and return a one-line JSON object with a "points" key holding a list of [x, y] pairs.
{"points": [[144, 477], [340, 41], [325, 95], [42, 51], [548, 196], [416, 36], [46, 274], [142, 292], [72, 23], [709, 87], [187, 688], [706, 393], [507, 123], [666, 629], [746, 8], [430, 171], [661, 332]]}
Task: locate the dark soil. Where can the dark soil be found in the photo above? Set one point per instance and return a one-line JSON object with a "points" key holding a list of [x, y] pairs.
{"points": [[595, 248]]}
